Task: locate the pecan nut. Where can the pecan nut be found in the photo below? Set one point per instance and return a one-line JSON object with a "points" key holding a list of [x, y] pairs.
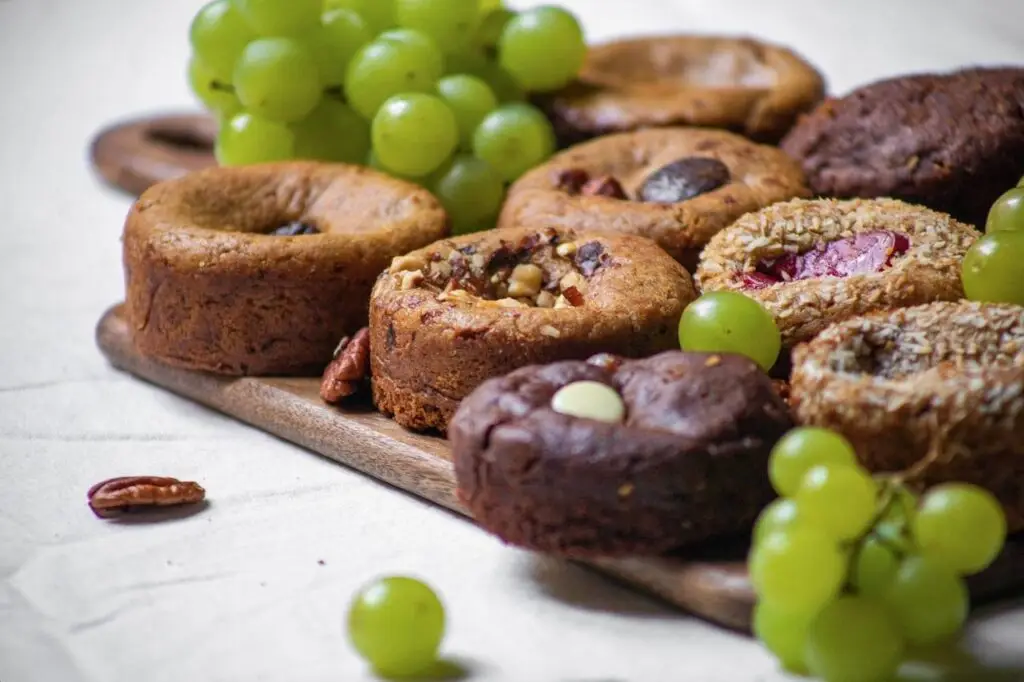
{"points": [[349, 368], [134, 493], [572, 180], [604, 186]]}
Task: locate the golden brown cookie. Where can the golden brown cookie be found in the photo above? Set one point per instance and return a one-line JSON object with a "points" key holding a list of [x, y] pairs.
{"points": [[677, 186], [445, 318], [738, 84], [209, 287]]}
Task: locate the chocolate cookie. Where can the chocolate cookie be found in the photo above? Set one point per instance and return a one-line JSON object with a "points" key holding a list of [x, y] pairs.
{"points": [[736, 84], [261, 269], [445, 318], [684, 459], [952, 142], [677, 186]]}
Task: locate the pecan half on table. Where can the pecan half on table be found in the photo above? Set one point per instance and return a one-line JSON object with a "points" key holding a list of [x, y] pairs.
{"points": [[135, 493], [349, 369]]}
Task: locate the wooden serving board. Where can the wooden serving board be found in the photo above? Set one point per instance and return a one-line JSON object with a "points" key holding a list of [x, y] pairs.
{"points": [[710, 582]]}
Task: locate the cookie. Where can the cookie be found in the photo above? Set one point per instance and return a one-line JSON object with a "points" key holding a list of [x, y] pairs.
{"points": [[448, 317], [686, 460], [738, 84], [261, 269], [677, 186], [953, 142], [811, 263], [934, 391]]}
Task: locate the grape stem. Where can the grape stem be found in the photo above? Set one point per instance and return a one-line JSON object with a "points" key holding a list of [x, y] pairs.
{"points": [[889, 498]]}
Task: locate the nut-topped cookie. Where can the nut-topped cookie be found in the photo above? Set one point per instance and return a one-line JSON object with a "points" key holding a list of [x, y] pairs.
{"points": [[677, 186], [738, 84], [447, 317], [261, 269]]}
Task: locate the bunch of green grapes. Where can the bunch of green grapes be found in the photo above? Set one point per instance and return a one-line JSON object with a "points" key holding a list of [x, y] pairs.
{"points": [[993, 269], [853, 572], [431, 91]]}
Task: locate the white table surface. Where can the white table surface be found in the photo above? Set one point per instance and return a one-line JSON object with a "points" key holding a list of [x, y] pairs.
{"points": [[238, 593]]}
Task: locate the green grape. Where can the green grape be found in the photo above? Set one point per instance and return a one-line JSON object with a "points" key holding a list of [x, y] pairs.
{"points": [[414, 134], [993, 268], [474, 63], [798, 569], [277, 78], [729, 322], [397, 625], [281, 17], [781, 514], [468, 62], [1007, 213], [1020, 183], [489, 5], [854, 639], [449, 22], [415, 38], [928, 600], [513, 139], [215, 96], [492, 25], [341, 34], [875, 567], [961, 525], [218, 35], [247, 139], [839, 499], [332, 132], [783, 634], [802, 448], [385, 68], [378, 14], [543, 48], [470, 100], [471, 191]]}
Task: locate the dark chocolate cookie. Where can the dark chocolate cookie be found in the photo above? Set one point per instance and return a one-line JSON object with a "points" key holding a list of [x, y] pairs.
{"points": [[687, 462], [951, 142]]}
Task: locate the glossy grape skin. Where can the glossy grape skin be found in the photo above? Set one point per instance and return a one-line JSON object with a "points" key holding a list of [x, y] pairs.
{"points": [[332, 132], [513, 139], [1007, 213], [449, 22], [277, 79], [470, 99], [801, 449], [208, 90], [961, 525], [341, 35], [783, 634], [928, 600], [379, 15], [385, 68], [397, 624], [471, 192], [840, 500], [854, 639], [874, 569], [729, 322], [280, 17], [798, 569], [542, 48], [993, 268], [218, 35], [781, 514], [247, 139], [414, 134]]}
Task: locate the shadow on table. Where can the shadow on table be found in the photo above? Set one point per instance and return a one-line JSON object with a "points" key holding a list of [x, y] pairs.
{"points": [[584, 588], [151, 515]]}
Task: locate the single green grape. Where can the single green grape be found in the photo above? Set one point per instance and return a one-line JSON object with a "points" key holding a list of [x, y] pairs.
{"points": [[214, 95], [218, 35], [379, 15], [470, 100], [281, 17], [247, 139], [783, 634], [413, 134], [277, 78], [839, 500], [397, 624], [449, 22], [993, 268], [928, 600], [874, 568], [491, 26], [854, 639], [514, 138], [729, 322], [543, 48], [962, 525], [475, 63], [801, 449], [798, 569], [332, 132], [341, 34], [385, 68], [468, 62], [471, 192], [781, 514], [415, 38], [1007, 213]]}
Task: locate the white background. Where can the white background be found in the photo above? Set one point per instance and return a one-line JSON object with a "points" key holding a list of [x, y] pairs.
{"points": [[237, 593]]}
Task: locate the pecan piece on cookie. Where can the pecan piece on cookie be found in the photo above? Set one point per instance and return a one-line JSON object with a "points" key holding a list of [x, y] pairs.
{"points": [[349, 368], [116, 496]]}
